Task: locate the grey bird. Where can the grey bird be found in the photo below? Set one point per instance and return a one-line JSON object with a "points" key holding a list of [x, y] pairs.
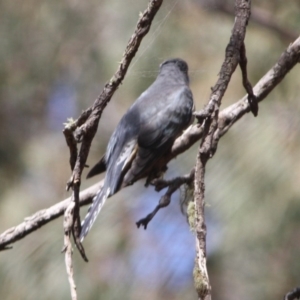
{"points": [[145, 133]]}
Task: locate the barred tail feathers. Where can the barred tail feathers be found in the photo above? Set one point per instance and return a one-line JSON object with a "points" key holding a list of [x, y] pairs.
{"points": [[93, 212]]}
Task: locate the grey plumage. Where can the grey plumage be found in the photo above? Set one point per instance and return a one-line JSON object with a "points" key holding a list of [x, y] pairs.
{"points": [[144, 134]]}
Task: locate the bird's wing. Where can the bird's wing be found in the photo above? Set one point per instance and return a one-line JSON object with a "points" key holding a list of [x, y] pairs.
{"points": [[172, 117], [159, 129], [120, 152]]}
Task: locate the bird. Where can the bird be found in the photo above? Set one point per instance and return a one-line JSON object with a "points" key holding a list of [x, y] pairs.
{"points": [[144, 134]]}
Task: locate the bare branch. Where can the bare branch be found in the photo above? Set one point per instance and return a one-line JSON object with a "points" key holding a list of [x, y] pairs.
{"points": [[230, 115], [246, 83], [288, 59], [68, 224], [227, 117], [210, 138], [89, 120], [43, 217], [88, 123]]}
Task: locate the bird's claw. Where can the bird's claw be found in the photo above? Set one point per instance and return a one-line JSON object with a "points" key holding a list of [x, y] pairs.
{"points": [[143, 222]]}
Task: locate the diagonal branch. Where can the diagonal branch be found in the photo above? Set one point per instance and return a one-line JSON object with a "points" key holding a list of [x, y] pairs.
{"points": [[230, 115], [89, 119], [88, 123], [227, 118], [43, 217]]}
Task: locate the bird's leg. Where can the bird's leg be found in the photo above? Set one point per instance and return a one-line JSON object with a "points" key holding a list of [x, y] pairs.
{"points": [[156, 174], [173, 185], [163, 202]]}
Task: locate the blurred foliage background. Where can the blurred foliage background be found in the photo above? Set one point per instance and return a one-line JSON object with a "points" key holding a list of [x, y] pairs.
{"points": [[55, 58]]}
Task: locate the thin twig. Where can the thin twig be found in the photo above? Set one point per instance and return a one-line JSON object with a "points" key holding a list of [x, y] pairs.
{"points": [[68, 224], [89, 119], [246, 83], [230, 115]]}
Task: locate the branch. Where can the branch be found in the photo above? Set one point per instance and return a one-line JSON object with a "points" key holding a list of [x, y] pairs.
{"points": [[88, 123], [230, 115], [246, 83], [227, 118], [234, 54], [89, 119], [43, 217], [68, 223], [288, 59]]}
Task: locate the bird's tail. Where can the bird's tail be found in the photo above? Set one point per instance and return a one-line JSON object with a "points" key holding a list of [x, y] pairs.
{"points": [[93, 212]]}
